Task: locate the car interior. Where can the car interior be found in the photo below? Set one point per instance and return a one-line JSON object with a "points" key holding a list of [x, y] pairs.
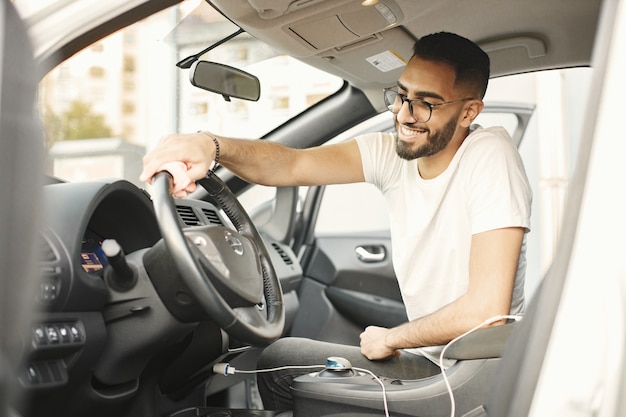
{"points": [[136, 303]]}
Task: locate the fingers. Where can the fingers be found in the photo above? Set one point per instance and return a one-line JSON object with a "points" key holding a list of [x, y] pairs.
{"points": [[190, 149], [180, 179], [151, 165], [183, 193], [373, 346]]}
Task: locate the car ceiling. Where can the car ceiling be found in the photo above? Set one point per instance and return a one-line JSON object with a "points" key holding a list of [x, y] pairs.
{"points": [[339, 36]]}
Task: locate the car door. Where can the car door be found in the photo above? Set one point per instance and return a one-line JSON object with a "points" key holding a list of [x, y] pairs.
{"points": [[20, 166], [349, 281]]}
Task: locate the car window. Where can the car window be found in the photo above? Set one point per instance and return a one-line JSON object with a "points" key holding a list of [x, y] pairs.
{"points": [[509, 121], [108, 104]]}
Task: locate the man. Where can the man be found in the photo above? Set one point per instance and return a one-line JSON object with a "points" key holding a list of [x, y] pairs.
{"points": [[459, 202]]}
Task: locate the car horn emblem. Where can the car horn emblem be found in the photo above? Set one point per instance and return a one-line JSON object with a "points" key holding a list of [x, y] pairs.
{"points": [[234, 243]]}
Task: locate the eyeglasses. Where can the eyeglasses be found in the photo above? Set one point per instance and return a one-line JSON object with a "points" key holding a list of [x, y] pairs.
{"points": [[421, 110]]}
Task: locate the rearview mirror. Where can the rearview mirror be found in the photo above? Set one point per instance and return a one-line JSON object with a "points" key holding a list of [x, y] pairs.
{"points": [[225, 80]]}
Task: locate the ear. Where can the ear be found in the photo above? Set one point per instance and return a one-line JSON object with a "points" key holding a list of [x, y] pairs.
{"points": [[471, 111]]}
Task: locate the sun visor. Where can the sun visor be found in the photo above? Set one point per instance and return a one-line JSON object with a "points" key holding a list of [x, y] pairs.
{"points": [[346, 27], [382, 61]]}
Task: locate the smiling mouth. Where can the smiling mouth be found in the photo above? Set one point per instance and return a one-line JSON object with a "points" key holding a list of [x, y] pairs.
{"points": [[409, 134]]}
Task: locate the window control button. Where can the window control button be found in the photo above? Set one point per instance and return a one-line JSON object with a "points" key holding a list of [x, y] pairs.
{"points": [[39, 336], [52, 334], [64, 333], [32, 374], [75, 333]]}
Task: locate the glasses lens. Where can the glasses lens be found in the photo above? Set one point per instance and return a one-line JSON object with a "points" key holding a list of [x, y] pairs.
{"points": [[393, 101], [420, 109]]}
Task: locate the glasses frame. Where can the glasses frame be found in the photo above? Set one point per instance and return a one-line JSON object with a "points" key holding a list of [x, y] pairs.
{"points": [[410, 102]]}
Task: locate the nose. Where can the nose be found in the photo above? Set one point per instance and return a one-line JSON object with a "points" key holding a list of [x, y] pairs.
{"points": [[404, 115]]}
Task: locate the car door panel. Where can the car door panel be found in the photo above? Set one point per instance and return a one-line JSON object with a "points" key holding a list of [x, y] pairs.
{"points": [[341, 293]]}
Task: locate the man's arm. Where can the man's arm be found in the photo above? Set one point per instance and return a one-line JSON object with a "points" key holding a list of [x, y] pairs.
{"points": [[257, 161], [493, 265]]}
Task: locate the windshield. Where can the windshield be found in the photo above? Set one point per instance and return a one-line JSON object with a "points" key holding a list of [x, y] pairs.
{"points": [[107, 105]]}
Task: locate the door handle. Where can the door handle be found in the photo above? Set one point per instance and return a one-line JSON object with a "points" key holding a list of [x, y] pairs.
{"points": [[371, 253]]}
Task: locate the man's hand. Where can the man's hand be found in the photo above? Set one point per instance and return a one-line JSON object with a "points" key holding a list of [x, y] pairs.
{"points": [[373, 345], [191, 154]]}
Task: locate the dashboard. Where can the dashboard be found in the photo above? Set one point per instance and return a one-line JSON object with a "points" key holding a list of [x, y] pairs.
{"points": [[91, 342]]}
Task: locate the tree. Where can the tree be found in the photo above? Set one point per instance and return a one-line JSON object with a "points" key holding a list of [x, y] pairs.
{"points": [[78, 122]]}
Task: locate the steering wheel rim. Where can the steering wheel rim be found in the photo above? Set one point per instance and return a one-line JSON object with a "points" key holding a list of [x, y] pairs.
{"points": [[247, 323]]}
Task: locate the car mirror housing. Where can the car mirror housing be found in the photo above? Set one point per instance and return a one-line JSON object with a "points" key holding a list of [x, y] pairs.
{"points": [[225, 80]]}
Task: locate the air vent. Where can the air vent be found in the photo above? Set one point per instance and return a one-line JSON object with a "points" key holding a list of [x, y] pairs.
{"points": [[212, 216], [46, 253], [188, 216], [282, 254]]}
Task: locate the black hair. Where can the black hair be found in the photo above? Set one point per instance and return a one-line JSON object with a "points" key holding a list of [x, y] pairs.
{"points": [[470, 63]]}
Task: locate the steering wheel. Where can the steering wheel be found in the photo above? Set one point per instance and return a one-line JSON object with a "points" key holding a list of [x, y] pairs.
{"points": [[228, 271]]}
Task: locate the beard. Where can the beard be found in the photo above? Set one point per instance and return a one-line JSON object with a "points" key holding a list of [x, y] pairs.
{"points": [[435, 142]]}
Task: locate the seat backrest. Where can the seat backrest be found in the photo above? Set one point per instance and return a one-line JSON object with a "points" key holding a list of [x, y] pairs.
{"points": [[513, 386]]}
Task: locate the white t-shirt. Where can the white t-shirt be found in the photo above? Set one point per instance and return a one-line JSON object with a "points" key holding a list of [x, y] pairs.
{"points": [[432, 221]]}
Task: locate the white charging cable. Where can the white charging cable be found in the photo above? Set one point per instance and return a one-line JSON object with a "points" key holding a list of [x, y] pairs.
{"points": [[456, 339], [382, 385], [225, 369]]}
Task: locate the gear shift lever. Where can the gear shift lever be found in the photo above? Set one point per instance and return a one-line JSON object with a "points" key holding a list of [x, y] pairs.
{"points": [[120, 275]]}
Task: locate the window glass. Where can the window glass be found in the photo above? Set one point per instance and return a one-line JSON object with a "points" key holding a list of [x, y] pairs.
{"points": [[118, 97], [352, 208], [507, 120]]}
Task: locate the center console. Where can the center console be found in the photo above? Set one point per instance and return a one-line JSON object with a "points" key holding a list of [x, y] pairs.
{"points": [[352, 392], [357, 393]]}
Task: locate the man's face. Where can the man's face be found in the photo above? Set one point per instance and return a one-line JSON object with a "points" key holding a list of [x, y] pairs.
{"points": [[434, 142], [432, 82]]}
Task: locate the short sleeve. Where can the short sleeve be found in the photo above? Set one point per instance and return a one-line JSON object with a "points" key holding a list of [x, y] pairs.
{"points": [[378, 156], [498, 191]]}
